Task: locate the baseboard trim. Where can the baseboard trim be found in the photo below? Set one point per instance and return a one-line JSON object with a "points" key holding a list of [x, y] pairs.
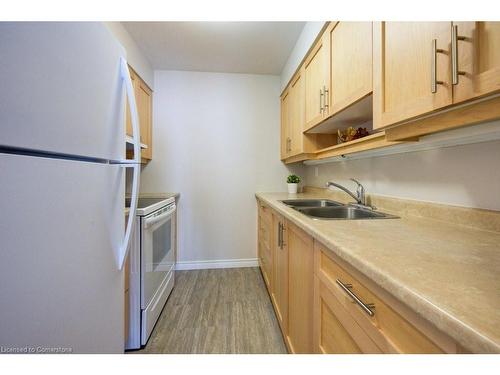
{"points": [[222, 263]]}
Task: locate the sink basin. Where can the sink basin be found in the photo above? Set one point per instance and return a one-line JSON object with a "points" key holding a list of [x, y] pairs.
{"points": [[311, 203], [343, 213]]}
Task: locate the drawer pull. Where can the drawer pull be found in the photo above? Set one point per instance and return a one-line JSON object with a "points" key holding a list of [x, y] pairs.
{"points": [[365, 306]]}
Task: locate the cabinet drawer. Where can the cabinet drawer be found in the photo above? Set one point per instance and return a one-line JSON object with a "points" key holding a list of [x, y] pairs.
{"points": [[335, 331], [390, 331]]}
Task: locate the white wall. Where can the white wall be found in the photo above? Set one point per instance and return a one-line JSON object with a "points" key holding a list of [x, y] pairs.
{"points": [[466, 176], [216, 141], [304, 42], [135, 57]]}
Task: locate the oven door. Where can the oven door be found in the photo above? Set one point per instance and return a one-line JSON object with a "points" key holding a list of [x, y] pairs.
{"points": [[157, 245]]}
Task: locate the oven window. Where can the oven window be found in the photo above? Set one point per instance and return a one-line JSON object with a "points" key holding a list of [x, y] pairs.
{"points": [[162, 246]]}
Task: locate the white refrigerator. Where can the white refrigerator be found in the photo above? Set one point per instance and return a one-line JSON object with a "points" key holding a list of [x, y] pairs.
{"points": [[63, 236]]}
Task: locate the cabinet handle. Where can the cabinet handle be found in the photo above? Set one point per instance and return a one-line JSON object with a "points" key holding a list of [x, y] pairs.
{"points": [[321, 100], [282, 238], [434, 81], [454, 55], [365, 306], [289, 144], [326, 98], [279, 234]]}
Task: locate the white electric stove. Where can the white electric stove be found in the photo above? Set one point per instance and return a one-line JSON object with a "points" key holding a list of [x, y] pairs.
{"points": [[152, 266]]}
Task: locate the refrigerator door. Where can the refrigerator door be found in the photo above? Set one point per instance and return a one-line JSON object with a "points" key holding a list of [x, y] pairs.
{"points": [[61, 89], [61, 226]]}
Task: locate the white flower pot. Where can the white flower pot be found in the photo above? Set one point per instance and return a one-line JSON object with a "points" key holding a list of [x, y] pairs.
{"points": [[292, 188]]}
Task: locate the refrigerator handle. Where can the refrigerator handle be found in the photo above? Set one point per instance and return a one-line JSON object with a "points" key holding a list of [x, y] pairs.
{"points": [[135, 163]]}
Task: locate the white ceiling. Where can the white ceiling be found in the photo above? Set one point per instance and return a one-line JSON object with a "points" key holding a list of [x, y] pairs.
{"points": [[230, 47]]}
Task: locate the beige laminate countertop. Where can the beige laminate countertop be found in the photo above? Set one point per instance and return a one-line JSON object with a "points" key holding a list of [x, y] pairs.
{"points": [[448, 274]]}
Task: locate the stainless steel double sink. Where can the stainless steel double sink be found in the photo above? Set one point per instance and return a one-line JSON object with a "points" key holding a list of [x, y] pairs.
{"points": [[326, 209]]}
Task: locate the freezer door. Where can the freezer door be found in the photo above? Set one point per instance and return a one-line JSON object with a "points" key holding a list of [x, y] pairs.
{"points": [[61, 225], [61, 89]]}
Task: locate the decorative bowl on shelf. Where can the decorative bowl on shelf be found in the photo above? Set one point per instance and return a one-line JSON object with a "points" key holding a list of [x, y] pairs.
{"points": [[350, 134]]}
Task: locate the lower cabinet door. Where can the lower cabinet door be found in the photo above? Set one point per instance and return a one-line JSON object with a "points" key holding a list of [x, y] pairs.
{"points": [[279, 293], [335, 331], [300, 290]]}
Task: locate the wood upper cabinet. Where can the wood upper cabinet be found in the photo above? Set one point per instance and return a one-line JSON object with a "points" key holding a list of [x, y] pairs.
{"points": [[477, 57], [285, 124], [296, 119], [279, 293], [292, 117], [144, 100], [404, 71], [144, 97], [350, 63], [300, 290], [316, 75]]}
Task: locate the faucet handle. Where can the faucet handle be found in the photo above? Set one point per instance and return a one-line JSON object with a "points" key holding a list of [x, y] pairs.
{"points": [[360, 191], [356, 181]]}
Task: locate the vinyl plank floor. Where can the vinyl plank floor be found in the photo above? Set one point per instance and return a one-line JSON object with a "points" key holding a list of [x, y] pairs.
{"points": [[217, 311]]}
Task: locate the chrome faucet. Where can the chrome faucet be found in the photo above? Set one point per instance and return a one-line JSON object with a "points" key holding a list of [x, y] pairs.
{"points": [[360, 191]]}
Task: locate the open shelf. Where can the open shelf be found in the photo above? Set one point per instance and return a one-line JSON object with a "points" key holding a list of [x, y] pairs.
{"points": [[485, 132], [370, 142], [356, 115]]}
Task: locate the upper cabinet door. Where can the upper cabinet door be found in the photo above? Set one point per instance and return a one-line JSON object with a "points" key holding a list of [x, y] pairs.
{"points": [[144, 101], [127, 113], [285, 121], [475, 59], [411, 68], [144, 107], [316, 72], [351, 63], [296, 120]]}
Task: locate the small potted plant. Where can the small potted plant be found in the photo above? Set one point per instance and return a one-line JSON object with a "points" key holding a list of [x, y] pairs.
{"points": [[293, 183]]}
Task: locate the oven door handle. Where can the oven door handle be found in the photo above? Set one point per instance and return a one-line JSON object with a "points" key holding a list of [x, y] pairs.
{"points": [[155, 219]]}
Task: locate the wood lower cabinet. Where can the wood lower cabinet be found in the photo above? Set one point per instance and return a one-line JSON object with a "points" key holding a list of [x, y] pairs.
{"points": [[317, 315], [279, 292], [144, 101], [265, 239], [407, 83], [300, 290], [344, 325], [477, 56], [335, 331]]}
